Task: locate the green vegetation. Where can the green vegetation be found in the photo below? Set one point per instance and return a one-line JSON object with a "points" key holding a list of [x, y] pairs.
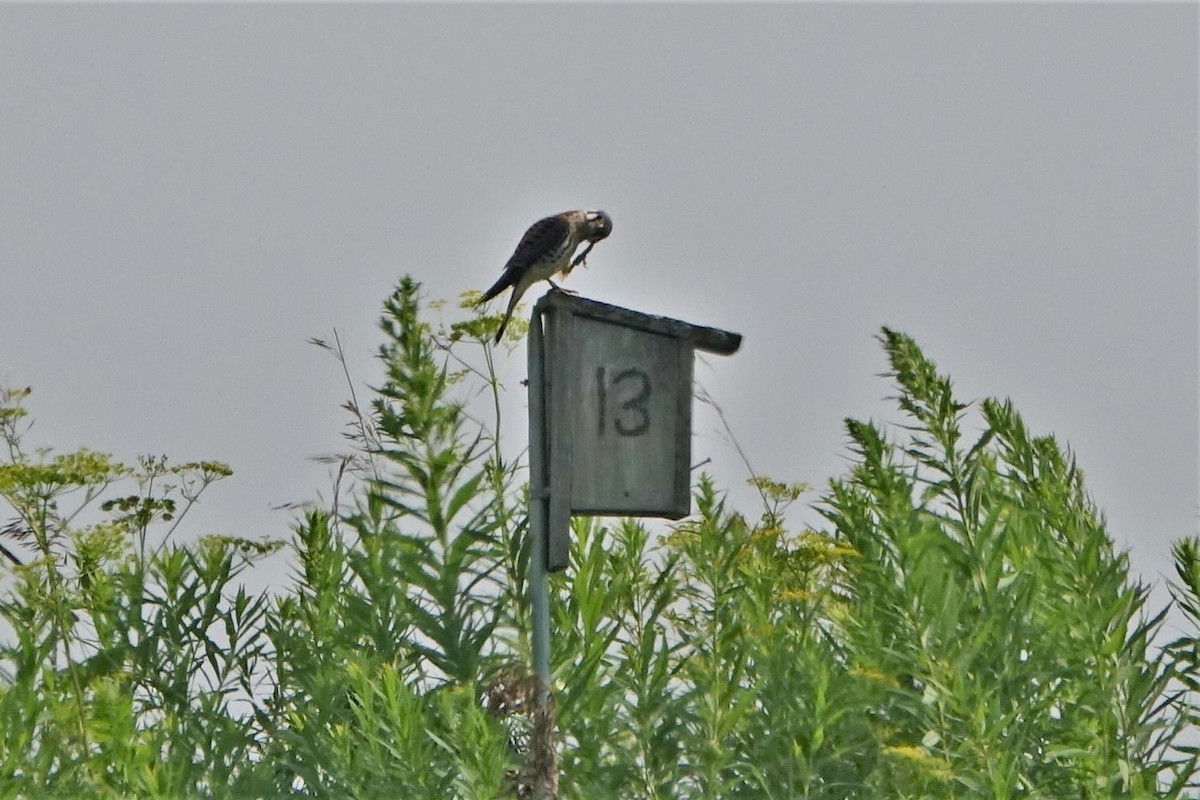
{"points": [[959, 627]]}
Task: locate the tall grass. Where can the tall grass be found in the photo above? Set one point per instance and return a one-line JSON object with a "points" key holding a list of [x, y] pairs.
{"points": [[959, 627]]}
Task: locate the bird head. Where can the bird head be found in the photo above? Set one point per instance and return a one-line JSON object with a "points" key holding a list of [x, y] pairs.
{"points": [[598, 225]]}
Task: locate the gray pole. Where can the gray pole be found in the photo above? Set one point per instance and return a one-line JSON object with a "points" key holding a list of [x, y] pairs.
{"points": [[539, 499]]}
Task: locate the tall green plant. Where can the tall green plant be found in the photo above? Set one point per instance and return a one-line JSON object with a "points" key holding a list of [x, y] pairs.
{"points": [[989, 593], [962, 627], [127, 650], [397, 620]]}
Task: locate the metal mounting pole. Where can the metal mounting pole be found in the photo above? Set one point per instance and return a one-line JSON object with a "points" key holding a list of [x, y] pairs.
{"points": [[539, 499], [543, 761]]}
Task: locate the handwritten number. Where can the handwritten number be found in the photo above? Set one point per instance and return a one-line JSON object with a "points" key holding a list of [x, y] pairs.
{"points": [[635, 417], [636, 405]]}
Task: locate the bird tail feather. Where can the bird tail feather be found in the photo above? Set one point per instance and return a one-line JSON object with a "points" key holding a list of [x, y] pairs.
{"points": [[512, 306], [498, 287]]}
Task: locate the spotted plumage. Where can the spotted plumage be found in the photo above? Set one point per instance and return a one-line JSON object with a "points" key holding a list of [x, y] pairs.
{"points": [[545, 250]]}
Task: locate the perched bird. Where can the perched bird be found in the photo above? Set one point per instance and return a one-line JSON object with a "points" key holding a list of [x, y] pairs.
{"points": [[546, 249]]}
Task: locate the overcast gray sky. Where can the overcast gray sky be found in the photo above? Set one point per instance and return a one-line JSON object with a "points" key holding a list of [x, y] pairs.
{"points": [[188, 193]]}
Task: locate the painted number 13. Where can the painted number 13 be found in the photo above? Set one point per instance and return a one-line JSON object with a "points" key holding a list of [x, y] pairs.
{"points": [[633, 418]]}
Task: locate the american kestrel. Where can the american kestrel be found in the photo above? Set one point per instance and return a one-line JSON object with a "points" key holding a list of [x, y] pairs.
{"points": [[545, 250]]}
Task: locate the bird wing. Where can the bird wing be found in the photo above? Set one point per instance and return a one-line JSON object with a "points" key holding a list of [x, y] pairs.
{"points": [[541, 238]]}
